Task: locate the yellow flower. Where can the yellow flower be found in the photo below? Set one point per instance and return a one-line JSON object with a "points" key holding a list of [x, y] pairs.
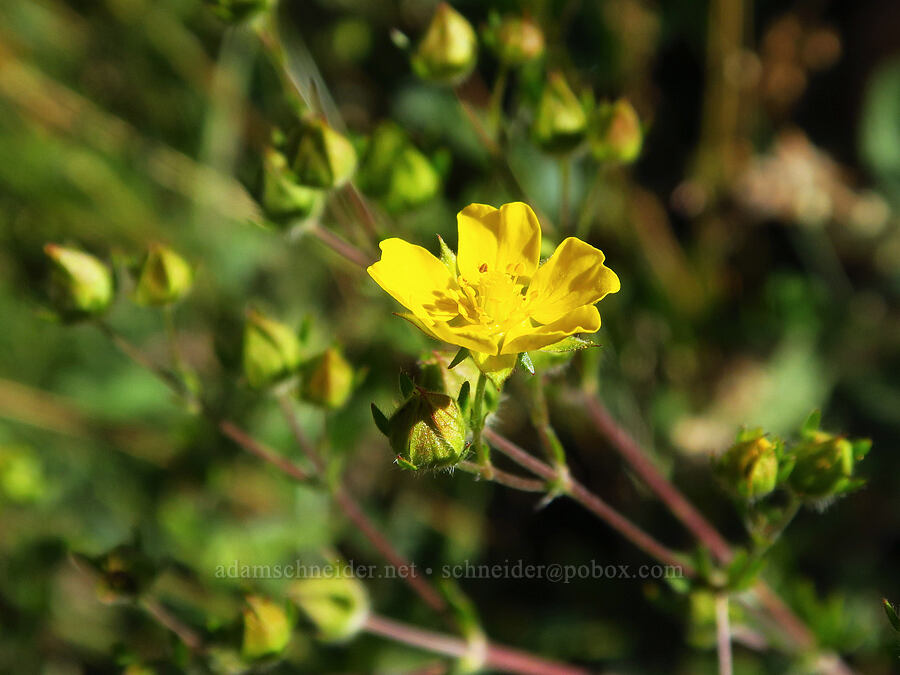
{"points": [[498, 301]]}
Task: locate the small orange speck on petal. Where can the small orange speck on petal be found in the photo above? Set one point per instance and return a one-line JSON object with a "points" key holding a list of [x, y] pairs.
{"points": [[483, 268]]}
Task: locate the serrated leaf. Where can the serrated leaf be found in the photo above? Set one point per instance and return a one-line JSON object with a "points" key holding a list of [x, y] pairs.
{"points": [[381, 421], [461, 356], [406, 385], [892, 615], [526, 362], [569, 344]]}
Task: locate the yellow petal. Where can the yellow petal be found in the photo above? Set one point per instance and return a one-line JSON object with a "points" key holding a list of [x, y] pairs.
{"points": [[495, 364], [572, 277], [507, 239], [416, 279], [471, 336], [526, 337]]}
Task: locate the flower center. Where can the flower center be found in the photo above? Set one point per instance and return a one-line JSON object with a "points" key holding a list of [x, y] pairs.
{"points": [[495, 298]]}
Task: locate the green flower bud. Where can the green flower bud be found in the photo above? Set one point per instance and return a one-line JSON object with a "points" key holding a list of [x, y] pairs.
{"points": [[235, 11], [80, 285], [428, 431], [616, 134], [449, 50], [337, 606], [323, 158], [750, 467], [283, 199], [271, 350], [561, 123], [328, 380], [165, 277], [824, 465], [394, 171], [518, 40], [266, 628]]}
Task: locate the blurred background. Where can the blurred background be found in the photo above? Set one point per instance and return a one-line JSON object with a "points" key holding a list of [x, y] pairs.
{"points": [[757, 238]]}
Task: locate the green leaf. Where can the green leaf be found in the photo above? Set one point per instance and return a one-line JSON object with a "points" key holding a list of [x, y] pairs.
{"points": [[891, 612], [526, 363], [463, 398], [461, 356], [405, 464], [861, 448], [380, 420], [448, 257], [406, 385], [569, 344], [743, 570], [812, 423]]}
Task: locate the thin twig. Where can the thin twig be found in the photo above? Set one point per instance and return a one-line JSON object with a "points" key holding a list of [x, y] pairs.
{"points": [[723, 634], [632, 453], [503, 659], [254, 447], [504, 478], [185, 633], [592, 503], [342, 248]]}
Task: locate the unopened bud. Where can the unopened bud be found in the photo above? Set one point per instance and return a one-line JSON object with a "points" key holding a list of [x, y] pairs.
{"points": [[337, 606], [283, 198], [518, 40], [271, 350], [750, 467], [824, 465], [448, 52], [428, 431], [328, 380], [235, 11], [323, 158], [80, 285], [165, 277], [561, 122], [395, 172], [266, 628], [616, 134]]}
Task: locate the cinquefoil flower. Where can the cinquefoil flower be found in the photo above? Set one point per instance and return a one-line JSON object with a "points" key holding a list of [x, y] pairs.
{"points": [[495, 299]]}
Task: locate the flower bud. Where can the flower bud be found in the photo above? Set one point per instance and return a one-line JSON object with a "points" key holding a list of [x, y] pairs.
{"points": [[337, 606], [283, 199], [561, 123], [271, 350], [266, 628], [80, 285], [165, 277], [428, 431], [124, 573], [328, 379], [518, 40], [750, 467], [823, 466], [235, 11], [448, 52], [616, 134], [394, 171], [323, 158]]}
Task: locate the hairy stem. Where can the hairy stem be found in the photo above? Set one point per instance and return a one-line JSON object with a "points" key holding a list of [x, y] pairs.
{"points": [[482, 449], [594, 504]]}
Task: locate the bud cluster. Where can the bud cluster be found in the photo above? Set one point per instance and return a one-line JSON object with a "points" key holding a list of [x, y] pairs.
{"points": [[819, 465]]}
